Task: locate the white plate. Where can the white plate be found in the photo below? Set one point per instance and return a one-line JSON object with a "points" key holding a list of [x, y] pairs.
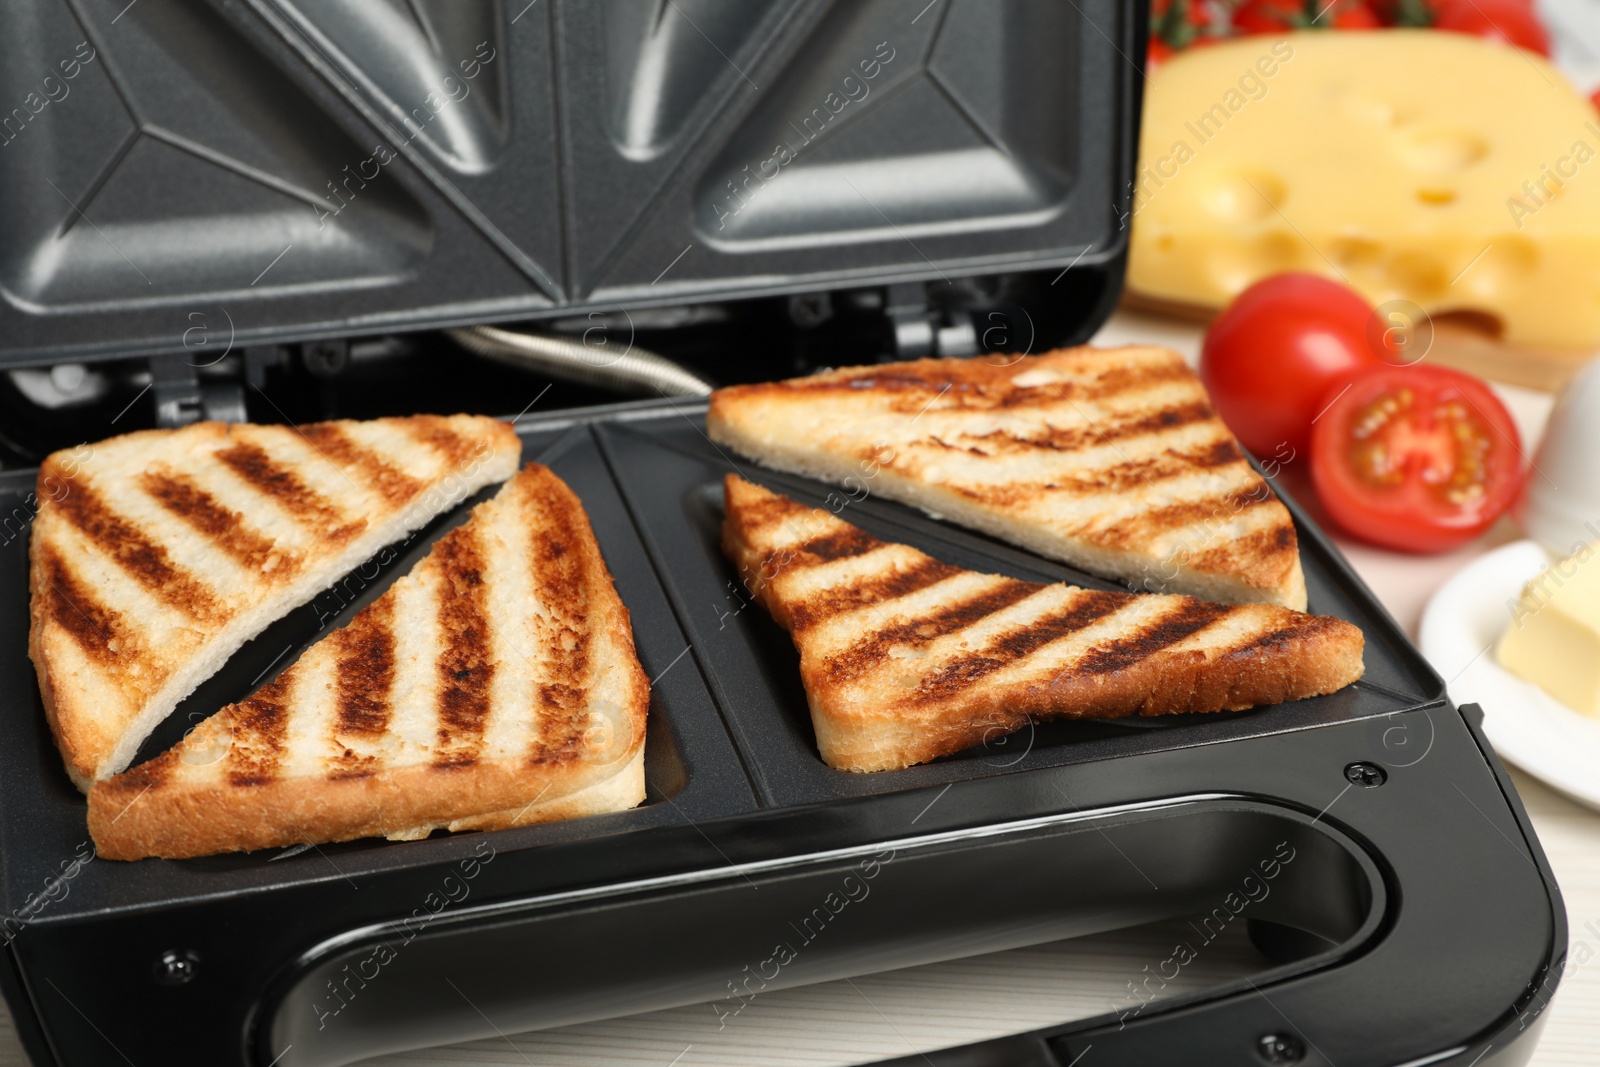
{"points": [[1526, 725]]}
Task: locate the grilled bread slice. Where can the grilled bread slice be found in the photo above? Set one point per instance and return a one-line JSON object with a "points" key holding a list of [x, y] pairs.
{"points": [[905, 658], [1111, 460], [156, 555], [494, 685]]}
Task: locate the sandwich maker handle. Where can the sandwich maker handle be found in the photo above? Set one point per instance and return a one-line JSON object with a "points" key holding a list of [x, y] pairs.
{"points": [[1247, 1030]]}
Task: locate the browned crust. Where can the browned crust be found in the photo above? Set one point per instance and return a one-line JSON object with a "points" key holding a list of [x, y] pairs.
{"points": [[366, 670], [1266, 562], [946, 619], [957, 705], [466, 669], [334, 444], [1312, 662], [76, 736], [565, 559], [225, 528], [144, 560], [88, 727], [283, 484], [259, 726], [435, 430], [177, 823], [961, 384], [149, 811]]}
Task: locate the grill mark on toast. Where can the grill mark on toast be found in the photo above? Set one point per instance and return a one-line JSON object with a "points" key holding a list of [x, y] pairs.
{"points": [[364, 652], [1046, 410], [766, 511], [330, 439], [1085, 609], [1267, 548], [1190, 618], [1089, 606], [838, 545], [886, 381], [559, 567], [874, 647], [435, 430], [139, 780], [1217, 454], [465, 666], [132, 550], [825, 604], [225, 528], [1142, 526], [1126, 379], [251, 462], [1140, 473], [96, 629], [969, 389], [260, 726], [1077, 439], [841, 544], [1304, 627]]}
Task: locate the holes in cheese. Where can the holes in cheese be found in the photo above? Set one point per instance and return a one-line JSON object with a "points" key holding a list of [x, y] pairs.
{"points": [[1441, 150], [1249, 195], [1358, 162]]}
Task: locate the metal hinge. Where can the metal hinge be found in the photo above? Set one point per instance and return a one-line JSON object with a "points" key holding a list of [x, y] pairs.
{"points": [[922, 328]]}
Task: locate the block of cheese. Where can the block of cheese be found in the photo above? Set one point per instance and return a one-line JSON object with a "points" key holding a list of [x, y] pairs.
{"points": [[1554, 637], [1456, 173]]}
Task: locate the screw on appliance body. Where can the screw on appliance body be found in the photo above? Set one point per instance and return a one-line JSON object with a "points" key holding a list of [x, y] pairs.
{"points": [[325, 359], [1366, 775], [809, 310], [1280, 1048], [176, 966]]}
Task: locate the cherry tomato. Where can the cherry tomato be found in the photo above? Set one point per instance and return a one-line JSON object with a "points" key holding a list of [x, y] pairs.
{"points": [[1271, 358], [1269, 16], [1419, 458], [1511, 21], [1280, 16], [1350, 16]]}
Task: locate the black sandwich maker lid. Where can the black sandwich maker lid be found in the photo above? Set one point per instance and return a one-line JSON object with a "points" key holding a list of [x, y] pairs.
{"points": [[302, 171]]}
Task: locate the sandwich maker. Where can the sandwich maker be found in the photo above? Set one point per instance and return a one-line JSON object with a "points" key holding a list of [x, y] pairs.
{"points": [[266, 208]]}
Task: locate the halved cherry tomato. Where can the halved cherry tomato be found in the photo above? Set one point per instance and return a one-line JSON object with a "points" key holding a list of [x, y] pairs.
{"points": [[1272, 357], [1511, 21], [1419, 458]]}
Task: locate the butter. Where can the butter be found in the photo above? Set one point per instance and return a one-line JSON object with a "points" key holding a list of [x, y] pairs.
{"points": [[1554, 637], [1455, 173]]}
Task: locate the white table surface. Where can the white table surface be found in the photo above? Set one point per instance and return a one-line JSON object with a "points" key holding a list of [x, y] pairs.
{"points": [[902, 1012]]}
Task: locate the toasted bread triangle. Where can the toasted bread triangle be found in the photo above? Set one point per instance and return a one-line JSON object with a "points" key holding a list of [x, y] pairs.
{"points": [[905, 658], [156, 555], [494, 685], [1111, 460]]}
